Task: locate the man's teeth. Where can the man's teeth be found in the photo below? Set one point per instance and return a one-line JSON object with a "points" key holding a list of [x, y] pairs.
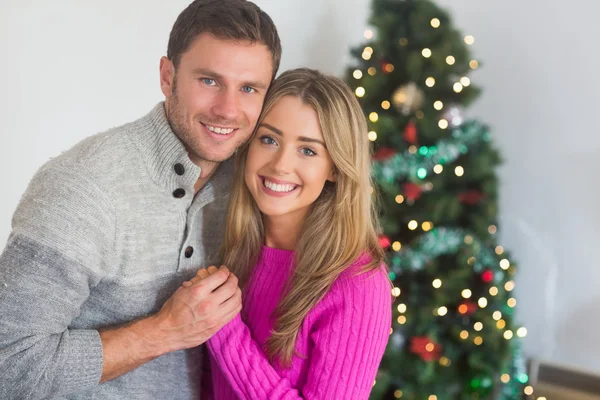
{"points": [[279, 188], [220, 131]]}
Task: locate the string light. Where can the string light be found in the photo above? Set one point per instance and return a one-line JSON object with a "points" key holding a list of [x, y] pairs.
{"points": [[427, 226], [522, 332], [357, 74], [468, 239], [366, 56], [368, 34], [509, 286], [372, 71], [438, 169], [430, 82], [443, 124], [464, 335], [465, 81], [426, 53], [482, 302], [396, 292], [385, 105], [412, 225], [360, 91], [435, 23], [445, 361], [504, 264], [399, 199], [402, 308], [512, 303], [396, 246], [389, 68], [450, 60], [471, 260], [403, 41], [528, 390], [402, 320], [373, 116], [463, 309], [505, 378], [437, 283], [466, 293], [499, 250], [501, 324], [438, 105], [412, 149], [459, 171], [442, 311], [508, 335], [497, 315], [372, 136], [457, 87], [478, 341], [473, 64], [469, 39], [478, 326], [492, 229], [432, 397], [398, 394], [493, 291]]}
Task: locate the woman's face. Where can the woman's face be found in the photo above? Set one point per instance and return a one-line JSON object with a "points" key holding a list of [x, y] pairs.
{"points": [[287, 164]]}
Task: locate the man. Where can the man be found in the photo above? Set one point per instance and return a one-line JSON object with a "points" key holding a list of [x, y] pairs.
{"points": [[108, 231]]}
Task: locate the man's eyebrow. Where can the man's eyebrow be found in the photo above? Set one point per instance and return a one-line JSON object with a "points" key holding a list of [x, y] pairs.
{"points": [[301, 138], [218, 76]]}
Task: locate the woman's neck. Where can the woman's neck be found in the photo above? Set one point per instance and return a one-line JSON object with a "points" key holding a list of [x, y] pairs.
{"points": [[282, 232]]}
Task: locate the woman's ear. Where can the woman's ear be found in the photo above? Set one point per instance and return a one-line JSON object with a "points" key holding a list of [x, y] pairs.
{"points": [[332, 175]]}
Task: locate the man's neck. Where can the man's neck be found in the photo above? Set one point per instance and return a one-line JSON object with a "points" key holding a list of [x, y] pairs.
{"points": [[207, 169]]}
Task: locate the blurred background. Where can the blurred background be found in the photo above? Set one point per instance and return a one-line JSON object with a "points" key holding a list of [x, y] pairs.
{"points": [[71, 69]]}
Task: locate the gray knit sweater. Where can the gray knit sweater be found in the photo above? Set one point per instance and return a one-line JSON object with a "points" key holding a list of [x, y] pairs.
{"points": [[104, 234]]}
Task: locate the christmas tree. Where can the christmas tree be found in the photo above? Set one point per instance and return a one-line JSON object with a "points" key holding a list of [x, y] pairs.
{"points": [[453, 334]]}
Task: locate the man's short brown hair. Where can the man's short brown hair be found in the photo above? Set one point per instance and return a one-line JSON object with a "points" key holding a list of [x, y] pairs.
{"points": [[224, 19]]}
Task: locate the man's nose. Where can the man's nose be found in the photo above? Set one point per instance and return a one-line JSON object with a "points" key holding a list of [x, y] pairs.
{"points": [[227, 105]]}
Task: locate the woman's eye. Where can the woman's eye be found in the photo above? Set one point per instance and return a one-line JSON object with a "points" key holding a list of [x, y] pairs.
{"points": [[308, 152], [267, 140]]}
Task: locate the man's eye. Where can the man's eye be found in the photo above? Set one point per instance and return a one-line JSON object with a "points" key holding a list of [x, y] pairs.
{"points": [[208, 81], [248, 89]]}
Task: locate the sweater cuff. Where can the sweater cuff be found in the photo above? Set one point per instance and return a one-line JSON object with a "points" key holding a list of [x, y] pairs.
{"points": [[84, 359], [230, 330]]}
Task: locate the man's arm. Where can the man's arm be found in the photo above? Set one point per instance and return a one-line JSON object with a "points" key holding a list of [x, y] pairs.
{"points": [[189, 318]]}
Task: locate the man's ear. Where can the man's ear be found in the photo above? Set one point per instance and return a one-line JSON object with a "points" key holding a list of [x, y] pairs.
{"points": [[167, 75]]}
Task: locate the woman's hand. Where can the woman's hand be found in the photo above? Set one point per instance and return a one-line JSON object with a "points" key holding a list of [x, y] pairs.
{"points": [[201, 274]]}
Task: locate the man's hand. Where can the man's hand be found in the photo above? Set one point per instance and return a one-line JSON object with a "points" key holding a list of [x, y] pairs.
{"points": [[195, 312]]}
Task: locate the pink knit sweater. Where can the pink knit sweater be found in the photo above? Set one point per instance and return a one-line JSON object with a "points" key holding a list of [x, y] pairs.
{"points": [[340, 343]]}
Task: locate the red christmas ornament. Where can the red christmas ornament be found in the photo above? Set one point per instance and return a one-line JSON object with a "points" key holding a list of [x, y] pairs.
{"points": [[384, 153], [384, 241], [487, 276], [410, 133], [425, 348], [471, 197], [412, 191]]}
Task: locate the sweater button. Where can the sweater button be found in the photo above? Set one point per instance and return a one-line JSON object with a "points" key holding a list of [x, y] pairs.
{"points": [[189, 251], [179, 193], [179, 170]]}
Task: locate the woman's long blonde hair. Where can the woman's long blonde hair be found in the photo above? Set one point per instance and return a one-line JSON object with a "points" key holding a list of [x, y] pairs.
{"points": [[341, 224]]}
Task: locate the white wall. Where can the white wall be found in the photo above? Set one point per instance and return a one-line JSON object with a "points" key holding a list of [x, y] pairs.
{"points": [[71, 68]]}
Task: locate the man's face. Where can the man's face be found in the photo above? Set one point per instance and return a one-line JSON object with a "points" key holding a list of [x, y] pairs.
{"points": [[215, 96]]}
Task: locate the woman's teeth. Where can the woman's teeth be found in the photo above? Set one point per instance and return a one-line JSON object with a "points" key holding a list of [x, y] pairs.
{"points": [[279, 188]]}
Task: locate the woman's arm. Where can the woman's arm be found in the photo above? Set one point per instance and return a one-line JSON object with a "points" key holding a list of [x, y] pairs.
{"points": [[349, 331]]}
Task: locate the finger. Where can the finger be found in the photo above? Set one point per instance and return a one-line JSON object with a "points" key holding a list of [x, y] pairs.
{"points": [[226, 291], [230, 309], [211, 282], [212, 269], [187, 283]]}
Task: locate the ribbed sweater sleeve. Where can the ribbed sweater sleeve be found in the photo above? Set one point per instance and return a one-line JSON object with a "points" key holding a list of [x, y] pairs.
{"points": [[63, 231], [349, 330]]}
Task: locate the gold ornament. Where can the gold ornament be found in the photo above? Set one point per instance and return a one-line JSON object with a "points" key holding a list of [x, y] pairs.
{"points": [[408, 98]]}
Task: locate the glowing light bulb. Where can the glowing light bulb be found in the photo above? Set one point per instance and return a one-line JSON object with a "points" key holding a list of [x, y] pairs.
{"points": [[437, 283], [435, 23], [372, 136], [430, 82], [357, 74], [385, 105], [466, 293], [396, 246], [450, 60], [459, 171], [426, 53], [443, 124], [368, 34], [360, 91], [438, 105], [469, 39], [374, 116]]}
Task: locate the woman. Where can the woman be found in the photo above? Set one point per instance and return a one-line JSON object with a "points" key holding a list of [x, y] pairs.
{"points": [[301, 237]]}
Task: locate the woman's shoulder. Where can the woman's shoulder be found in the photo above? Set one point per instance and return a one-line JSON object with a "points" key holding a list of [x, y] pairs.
{"points": [[357, 277]]}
